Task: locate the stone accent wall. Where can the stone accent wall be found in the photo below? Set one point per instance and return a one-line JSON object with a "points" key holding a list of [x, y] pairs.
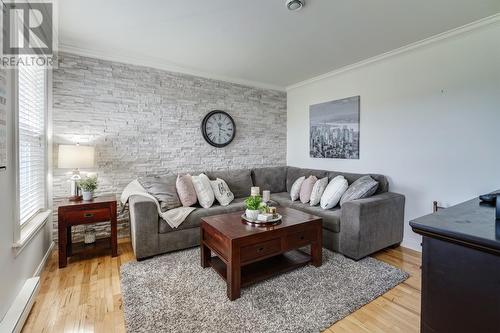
{"points": [[147, 121]]}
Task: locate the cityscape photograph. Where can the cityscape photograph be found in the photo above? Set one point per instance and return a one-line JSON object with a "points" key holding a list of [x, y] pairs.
{"points": [[334, 129]]}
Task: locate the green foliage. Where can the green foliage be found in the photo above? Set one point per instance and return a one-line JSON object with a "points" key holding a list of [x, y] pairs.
{"points": [[88, 184], [253, 202]]}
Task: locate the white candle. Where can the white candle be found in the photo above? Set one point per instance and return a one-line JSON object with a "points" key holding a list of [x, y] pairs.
{"points": [[254, 191], [266, 196]]}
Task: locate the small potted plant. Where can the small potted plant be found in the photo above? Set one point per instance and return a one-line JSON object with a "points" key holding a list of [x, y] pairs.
{"points": [[88, 186], [253, 204]]}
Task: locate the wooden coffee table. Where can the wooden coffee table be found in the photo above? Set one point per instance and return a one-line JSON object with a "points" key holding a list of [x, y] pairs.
{"points": [[246, 254]]}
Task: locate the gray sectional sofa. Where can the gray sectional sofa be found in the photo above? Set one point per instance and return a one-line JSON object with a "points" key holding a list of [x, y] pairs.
{"points": [[361, 227]]}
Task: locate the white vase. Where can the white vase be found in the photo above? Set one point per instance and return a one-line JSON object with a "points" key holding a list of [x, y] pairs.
{"points": [[87, 195], [252, 214]]}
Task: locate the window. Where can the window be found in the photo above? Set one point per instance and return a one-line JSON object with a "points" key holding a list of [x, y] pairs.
{"points": [[31, 141]]}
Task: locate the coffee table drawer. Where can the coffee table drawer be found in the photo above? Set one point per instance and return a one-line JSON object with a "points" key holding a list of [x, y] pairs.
{"points": [[260, 250], [300, 238], [217, 243]]}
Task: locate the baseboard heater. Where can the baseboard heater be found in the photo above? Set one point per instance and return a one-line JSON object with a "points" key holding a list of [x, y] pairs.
{"points": [[16, 316]]}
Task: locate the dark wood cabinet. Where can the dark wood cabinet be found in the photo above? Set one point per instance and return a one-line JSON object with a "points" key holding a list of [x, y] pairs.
{"points": [[71, 213], [460, 269]]}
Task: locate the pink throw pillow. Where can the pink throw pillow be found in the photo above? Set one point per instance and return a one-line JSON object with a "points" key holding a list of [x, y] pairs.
{"points": [[306, 189], [185, 190]]}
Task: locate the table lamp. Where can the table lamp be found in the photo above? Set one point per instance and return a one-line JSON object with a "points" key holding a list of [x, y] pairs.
{"points": [[75, 157]]}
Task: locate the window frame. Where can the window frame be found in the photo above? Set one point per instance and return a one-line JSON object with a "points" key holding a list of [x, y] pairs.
{"points": [[24, 232]]}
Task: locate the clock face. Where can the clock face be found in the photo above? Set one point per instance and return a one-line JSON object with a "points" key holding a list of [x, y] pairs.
{"points": [[218, 128]]}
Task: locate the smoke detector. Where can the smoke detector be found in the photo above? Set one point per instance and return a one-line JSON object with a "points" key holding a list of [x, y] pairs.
{"points": [[295, 5]]}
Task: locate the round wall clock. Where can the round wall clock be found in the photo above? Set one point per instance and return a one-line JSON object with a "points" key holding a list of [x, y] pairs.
{"points": [[218, 128]]}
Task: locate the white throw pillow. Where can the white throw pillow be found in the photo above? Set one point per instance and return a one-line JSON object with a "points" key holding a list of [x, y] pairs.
{"points": [[318, 189], [222, 192], [203, 190], [334, 192], [295, 190]]}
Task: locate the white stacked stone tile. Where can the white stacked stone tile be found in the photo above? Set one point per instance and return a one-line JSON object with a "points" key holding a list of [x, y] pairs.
{"points": [[146, 121]]}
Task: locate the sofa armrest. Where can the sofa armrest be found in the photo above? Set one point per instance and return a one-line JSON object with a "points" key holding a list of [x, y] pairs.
{"points": [[143, 226], [371, 224]]}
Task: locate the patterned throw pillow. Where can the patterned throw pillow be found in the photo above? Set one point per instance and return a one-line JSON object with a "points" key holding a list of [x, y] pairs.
{"points": [[203, 190], [295, 190], [317, 191], [163, 189], [306, 189], [185, 190], [333, 192], [363, 187], [222, 192]]}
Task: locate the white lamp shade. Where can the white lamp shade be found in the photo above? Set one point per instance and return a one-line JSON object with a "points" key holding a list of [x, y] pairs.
{"points": [[75, 156]]}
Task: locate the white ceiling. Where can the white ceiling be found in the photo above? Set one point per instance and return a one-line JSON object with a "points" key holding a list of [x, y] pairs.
{"points": [[257, 41]]}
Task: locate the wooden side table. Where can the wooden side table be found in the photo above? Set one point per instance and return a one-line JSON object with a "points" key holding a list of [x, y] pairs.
{"points": [[100, 209]]}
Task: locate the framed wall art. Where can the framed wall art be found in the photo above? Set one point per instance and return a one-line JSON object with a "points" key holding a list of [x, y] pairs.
{"points": [[334, 129]]}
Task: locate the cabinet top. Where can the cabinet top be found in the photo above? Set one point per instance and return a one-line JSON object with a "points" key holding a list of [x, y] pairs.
{"points": [[470, 222]]}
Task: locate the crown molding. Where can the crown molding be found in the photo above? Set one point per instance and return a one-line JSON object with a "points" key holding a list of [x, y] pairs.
{"points": [[410, 47], [117, 56]]}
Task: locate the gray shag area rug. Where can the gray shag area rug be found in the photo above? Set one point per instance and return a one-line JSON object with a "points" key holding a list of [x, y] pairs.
{"points": [[172, 293]]}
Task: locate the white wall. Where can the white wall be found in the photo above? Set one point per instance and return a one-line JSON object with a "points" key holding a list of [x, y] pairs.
{"points": [[15, 268], [430, 121]]}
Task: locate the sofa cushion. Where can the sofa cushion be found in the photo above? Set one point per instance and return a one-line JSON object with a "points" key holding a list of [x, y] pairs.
{"points": [[194, 219], [185, 190], [364, 187], [203, 190], [163, 189], [333, 192], [317, 191], [292, 173], [283, 199], [222, 192], [272, 179], [331, 217], [383, 184], [295, 190], [239, 181], [306, 189]]}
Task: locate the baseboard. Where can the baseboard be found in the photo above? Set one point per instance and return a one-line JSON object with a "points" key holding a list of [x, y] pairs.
{"points": [[19, 310], [412, 244], [42, 264]]}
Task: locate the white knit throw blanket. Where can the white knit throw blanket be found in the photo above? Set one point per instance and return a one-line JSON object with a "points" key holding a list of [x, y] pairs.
{"points": [[174, 217]]}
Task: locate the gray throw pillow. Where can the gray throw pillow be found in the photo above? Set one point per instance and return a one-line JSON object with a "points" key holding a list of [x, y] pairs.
{"points": [[239, 181], [163, 188], [364, 187]]}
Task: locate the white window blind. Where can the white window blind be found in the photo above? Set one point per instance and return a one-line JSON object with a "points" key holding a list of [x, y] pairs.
{"points": [[32, 146]]}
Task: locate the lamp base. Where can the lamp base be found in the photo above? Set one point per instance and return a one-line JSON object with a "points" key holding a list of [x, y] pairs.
{"points": [[75, 198], [75, 190]]}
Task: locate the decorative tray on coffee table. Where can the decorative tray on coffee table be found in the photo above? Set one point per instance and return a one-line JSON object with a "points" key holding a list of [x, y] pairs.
{"points": [[273, 221]]}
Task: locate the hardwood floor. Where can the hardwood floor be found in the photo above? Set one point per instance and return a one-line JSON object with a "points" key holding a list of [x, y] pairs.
{"points": [[85, 297]]}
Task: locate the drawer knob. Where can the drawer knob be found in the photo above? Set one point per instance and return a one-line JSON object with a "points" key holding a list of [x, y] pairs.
{"points": [[260, 249], [301, 237], [88, 215]]}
